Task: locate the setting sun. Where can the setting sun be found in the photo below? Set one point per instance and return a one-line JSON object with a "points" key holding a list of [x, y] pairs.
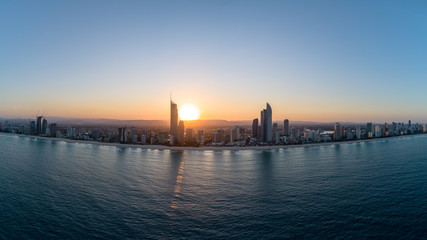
{"points": [[189, 112]]}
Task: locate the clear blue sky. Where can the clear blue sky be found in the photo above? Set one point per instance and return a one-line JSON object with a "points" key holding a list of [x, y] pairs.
{"points": [[312, 60]]}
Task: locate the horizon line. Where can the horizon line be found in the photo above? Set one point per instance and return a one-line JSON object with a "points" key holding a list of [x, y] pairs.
{"points": [[243, 120]]}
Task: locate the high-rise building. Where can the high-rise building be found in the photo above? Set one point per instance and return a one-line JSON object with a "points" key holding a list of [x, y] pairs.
{"points": [[276, 137], [173, 123], [377, 131], [384, 129], [293, 132], [369, 130], [152, 137], [358, 131], [32, 127], [180, 133], [274, 131], [215, 137], [144, 137], [286, 127], [235, 134], [44, 126], [162, 137], [261, 134], [189, 136], [337, 132], [200, 137], [255, 128], [39, 124], [267, 124], [52, 129], [96, 134], [70, 132], [122, 135], [221, 135], [133, 135], [393, 127]]}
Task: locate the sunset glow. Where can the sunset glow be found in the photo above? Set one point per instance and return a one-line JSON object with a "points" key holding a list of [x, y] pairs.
{"points": [[189, 112], [326, 68]]}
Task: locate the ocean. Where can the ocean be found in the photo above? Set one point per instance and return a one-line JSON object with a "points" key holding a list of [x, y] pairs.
{"points": [[57, 190]]}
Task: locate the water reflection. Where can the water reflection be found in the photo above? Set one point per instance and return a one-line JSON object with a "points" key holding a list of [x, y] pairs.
{"points": [[266, 174], [177, 170]]}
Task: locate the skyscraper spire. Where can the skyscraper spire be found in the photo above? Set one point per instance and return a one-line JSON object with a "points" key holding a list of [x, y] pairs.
{"points": [[173, 122], [266, 124]]}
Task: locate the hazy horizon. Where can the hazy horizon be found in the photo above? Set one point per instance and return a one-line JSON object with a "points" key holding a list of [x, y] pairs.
{"points": [[247, 121], [326, 61]]}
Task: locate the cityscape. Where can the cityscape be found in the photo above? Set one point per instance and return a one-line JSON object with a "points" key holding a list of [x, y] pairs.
{"points": [[262, 132], [214, 119]]}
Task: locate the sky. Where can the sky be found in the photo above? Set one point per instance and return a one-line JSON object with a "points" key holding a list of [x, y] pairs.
{"points": [[311, 60]]}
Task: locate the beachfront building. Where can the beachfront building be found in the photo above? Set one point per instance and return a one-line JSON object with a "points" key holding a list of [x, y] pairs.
{"points": [[173, 123]]}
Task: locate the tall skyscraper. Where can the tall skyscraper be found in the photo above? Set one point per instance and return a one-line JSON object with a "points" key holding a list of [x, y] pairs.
{"points": [[180, 133], [39, 124], [337, 132], [286, 127], [255, 128], [44, 126], [173, 123], [268, 124], [261, 134]]}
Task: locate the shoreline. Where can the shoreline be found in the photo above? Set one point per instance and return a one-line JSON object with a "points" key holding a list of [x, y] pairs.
{"points": [[206, 148]]}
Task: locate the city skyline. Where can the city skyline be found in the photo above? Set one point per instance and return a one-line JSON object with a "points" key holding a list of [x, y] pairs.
{"points": [[323, 62], [261, 133], [214, 119]]}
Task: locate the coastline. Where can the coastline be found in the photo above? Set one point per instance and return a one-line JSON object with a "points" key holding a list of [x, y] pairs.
{"points": [[206, 148]]}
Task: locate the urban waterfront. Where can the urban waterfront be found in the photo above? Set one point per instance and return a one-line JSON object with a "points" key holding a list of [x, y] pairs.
{"points": [[54, 189]]}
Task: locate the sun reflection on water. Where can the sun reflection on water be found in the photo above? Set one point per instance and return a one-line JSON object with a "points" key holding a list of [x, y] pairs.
{"points": [[177, 189]]}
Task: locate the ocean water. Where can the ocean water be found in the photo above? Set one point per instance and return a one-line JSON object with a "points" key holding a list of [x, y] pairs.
{"points": [[57, 190]]}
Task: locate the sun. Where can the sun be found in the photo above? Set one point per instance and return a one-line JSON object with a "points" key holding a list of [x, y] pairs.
{"points": [[188, 112]]}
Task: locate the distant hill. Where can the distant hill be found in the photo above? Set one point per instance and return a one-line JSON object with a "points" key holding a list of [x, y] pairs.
{"points": [[217, 123]]}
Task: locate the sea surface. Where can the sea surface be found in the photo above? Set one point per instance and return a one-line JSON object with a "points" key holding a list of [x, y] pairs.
{"points": [[57, 190]]}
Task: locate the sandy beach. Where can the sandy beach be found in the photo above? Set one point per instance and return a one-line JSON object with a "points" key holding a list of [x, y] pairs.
{"points": [[203, 148]]}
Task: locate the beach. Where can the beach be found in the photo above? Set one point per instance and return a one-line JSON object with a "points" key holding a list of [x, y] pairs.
{"points": [[203, 148]]}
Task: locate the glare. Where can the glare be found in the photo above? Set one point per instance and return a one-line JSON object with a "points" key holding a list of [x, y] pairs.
{"points": [[189, 112]]}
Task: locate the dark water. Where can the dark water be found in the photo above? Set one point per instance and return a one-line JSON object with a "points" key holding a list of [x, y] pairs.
{"points": [[57, 190]]}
